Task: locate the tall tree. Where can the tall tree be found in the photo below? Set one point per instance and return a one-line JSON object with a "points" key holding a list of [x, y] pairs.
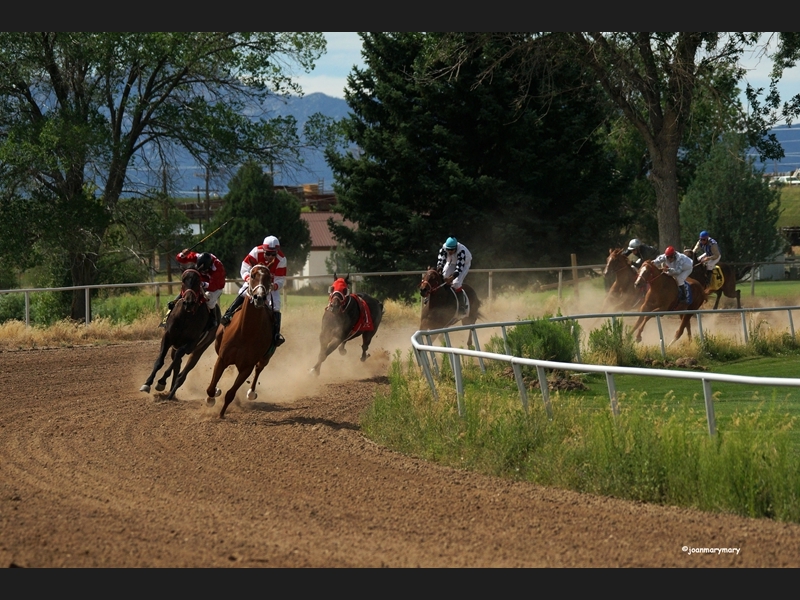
{"points": [[77, 110], [445, 157], [653, 79], [252, 211], [731, 200]]}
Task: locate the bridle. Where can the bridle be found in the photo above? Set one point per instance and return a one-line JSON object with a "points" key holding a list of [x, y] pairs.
{"points": [[191, 298], [258, 292], [425, 287], [647, 267], [338, 298], [613, 258]]}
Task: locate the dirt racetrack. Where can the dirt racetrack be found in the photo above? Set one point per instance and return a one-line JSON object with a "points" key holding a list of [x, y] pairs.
{"points": [[95, 473]]}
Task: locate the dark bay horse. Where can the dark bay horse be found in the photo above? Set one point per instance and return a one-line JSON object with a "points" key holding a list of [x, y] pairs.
{"points": [[185, 332], [247, 341], [662, 295], [440, 305], [347, 317], [623, 293], [728, 285]]}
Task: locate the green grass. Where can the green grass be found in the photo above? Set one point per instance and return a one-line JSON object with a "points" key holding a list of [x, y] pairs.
{"points": [[657, 450], [790, 205]]}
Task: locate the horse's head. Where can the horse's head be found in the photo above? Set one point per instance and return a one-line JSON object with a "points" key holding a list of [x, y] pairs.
{"points": [[647, 272], [191, 289], [431, 281], [337, 293], [690, 253], [616, 261], [259, 285]]}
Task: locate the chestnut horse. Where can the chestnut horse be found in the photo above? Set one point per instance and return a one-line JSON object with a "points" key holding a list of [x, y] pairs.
{"points": [[347, 317], [185, 332], [622, 294], [247, 341], [440, 305], [728, 286], [662, 295]]}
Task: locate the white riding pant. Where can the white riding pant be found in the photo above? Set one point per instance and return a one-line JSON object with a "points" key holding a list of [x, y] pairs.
{"points": [[213, 298], [711, 263]]}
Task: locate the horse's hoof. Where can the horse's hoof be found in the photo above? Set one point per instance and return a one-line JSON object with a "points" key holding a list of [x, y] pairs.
{"points": [[342, 351], [251, 395], [144, 388], [313, 371], [218, 393], [210, 401], [365, 357], [160, 387]]}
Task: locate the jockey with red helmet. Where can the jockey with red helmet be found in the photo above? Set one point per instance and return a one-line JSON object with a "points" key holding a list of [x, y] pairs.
{"points": [[212, 274], [679, 266]]}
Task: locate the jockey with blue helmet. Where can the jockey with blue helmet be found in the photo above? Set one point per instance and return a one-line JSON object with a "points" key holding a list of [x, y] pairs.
{"points": [[453, 263], [706, 251]]}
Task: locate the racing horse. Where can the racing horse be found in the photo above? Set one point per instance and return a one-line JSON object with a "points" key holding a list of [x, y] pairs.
{"points": [[247, 341], [440, 305], [185, 332], [727, 286], [622, 293], [347, 317], [662, 295]]}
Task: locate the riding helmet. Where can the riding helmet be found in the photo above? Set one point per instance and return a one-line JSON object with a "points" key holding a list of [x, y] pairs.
{"points": [[670, 251], [204, 261], [451, 243], [703, 234], [271, 242], [634, 244]]}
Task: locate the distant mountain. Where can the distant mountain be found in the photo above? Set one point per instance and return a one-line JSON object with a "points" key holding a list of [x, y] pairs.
{"points": [[189, 175]]}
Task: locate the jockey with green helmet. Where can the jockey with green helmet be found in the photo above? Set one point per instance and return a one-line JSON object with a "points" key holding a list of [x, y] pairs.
{"points": [[453, 263]]}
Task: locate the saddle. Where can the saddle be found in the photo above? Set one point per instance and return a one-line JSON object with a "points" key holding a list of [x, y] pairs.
{"points": [[365, 322], [717, 279]]}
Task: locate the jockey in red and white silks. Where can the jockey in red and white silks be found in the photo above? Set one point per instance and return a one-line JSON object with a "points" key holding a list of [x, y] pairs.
{"points": [[269, 253]]}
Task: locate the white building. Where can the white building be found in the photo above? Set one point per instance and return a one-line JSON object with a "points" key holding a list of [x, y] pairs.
{"points": [[322, 243]]}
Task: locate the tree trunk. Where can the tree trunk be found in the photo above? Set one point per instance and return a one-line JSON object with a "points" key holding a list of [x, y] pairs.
{"points": [[664, 177], [83, 272]]}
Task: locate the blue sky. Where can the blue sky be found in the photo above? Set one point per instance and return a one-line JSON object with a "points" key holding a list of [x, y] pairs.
{"points": [[344, 51]]}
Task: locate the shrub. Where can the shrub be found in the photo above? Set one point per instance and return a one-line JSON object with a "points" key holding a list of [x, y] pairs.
{"points": [[613, 344]]}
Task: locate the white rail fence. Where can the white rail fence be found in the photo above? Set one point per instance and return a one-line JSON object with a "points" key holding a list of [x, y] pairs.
{"points": [[425, 353]]}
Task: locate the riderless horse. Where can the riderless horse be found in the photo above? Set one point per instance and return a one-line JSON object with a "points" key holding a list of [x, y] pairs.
{"points": [[347, 317], [247, 341], [186, 331], [713, 284], [662, 295], [440, 304], [622, 294]]}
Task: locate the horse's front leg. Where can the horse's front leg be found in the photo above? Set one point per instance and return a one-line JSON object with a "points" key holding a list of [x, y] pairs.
{"points": [[251, 393], [231, 393], [159, 362], [325, 350], [366, 338]]}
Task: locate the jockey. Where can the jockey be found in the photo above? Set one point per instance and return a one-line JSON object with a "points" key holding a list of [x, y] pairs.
{"points": [[707, 252], [679, 266], [453, 263], [641, 251], [212, 274], [269, 254]]}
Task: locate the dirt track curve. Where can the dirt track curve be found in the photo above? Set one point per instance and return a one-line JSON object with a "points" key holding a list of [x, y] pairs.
{"points": [[95, 473]]}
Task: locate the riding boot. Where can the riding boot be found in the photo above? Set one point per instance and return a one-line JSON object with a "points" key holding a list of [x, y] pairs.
{"points": [[279, 339], [212, 319], [170, 306], [462, 302], [226, 318]]}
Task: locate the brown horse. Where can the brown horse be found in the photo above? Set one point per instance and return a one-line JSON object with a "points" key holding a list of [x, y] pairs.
{"points": [[247, 342], [185, 332], [347, 317], [728, 286], [623, 294], [440, 305], [662, 295]]}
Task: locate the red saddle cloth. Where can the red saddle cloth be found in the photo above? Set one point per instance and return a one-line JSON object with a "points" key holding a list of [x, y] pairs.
{"points": [[364, 322]]}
